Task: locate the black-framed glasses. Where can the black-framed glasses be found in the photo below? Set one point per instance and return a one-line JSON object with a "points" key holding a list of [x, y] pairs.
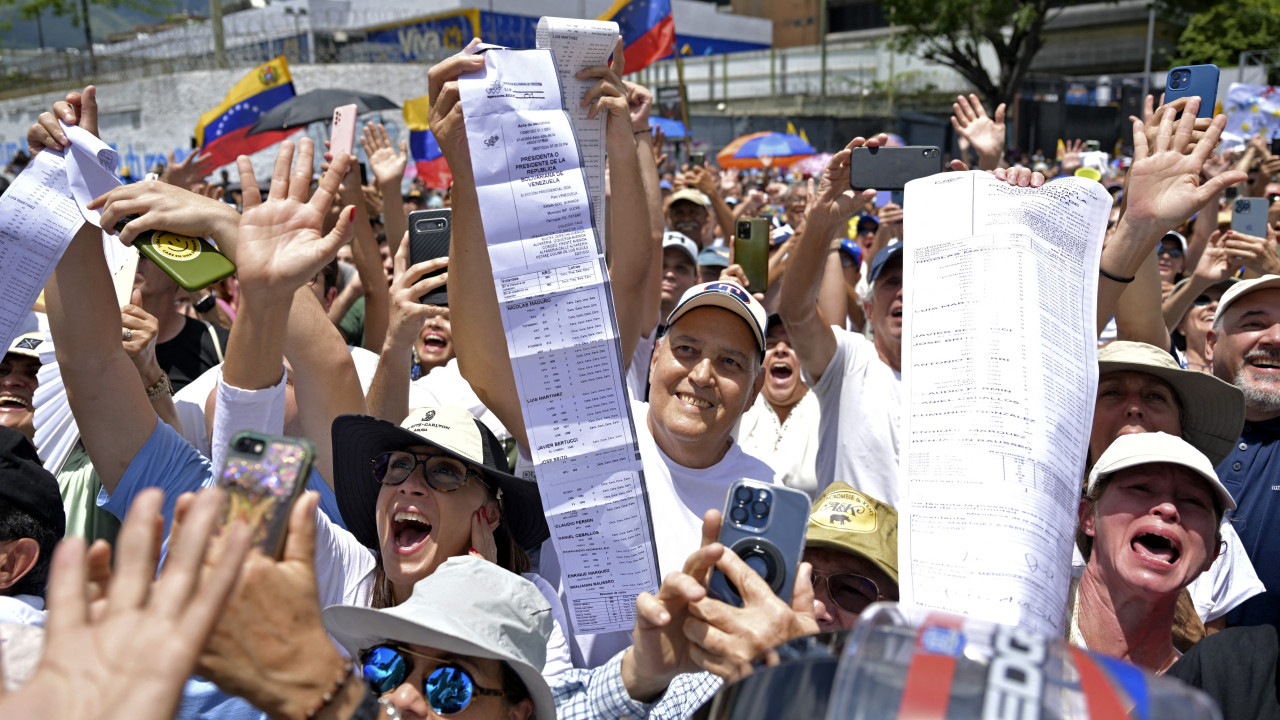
{"points": [[850, 592], [443, 474], [448, 689]]}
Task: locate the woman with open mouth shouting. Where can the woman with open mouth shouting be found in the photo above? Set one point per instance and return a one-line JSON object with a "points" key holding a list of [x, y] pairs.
{"points": [[1151, 512]]}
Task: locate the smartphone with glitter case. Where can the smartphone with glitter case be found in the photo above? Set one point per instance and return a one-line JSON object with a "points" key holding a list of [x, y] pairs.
{"points": [[262, 477]]}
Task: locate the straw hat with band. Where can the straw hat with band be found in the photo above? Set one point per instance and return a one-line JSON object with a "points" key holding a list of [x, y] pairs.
{"points": [[470, 607], [452, 431], [1212, 410], [849, 521]]}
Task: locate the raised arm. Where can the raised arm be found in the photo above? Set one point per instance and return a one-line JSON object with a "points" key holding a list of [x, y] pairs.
{"points": [[388, 171], [985, 134], [1164, 188], [631, 239], [641, 100], [389, 393], [280, 249], [834, 203], [364, 250], [477, 323], [103, 389]]}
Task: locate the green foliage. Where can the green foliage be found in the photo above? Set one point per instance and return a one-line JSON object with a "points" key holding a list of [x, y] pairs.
{"points": [[952, 32], [1220, 33]]}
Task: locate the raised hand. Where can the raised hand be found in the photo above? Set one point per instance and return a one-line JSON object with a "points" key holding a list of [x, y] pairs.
{"points": [[410, 283], [188, 173], [161, 206], [1259, 254], [280, 245], [834, 200], [1151, 118], [1164, 182], [1071, 158], [77, 109], [387, 164], [128, 654], [445, 116], [608, 94], [985, 134], [640, 103], [1215, 264], [728, 639]]}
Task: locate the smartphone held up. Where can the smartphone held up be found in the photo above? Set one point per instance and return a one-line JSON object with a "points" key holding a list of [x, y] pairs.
{"points": [[262, 477], [765, 525]]}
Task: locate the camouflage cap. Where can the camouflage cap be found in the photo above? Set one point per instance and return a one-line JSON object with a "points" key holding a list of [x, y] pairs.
{"points": [[846, 520]]}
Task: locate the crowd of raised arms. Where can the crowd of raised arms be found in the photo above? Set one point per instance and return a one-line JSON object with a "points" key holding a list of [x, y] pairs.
{"points": [[417, 577]]}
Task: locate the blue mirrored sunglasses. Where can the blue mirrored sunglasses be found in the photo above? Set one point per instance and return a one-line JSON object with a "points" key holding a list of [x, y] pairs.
{"points": [[448, 689]]}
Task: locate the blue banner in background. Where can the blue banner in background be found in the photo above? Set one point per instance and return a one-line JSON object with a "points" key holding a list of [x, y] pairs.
{"points": [[425, 39]]}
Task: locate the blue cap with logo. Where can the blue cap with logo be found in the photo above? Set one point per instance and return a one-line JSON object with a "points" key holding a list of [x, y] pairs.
{"points": [[883, 258]]}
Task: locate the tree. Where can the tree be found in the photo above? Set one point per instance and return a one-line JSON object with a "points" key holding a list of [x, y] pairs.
{"points": [[78, 10], [1221, 32], [953, 32]]}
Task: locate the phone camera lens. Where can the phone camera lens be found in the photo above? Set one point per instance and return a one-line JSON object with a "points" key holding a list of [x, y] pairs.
{"points": [[743, 494], [760, 508], [1242, 206], [738, 514]]}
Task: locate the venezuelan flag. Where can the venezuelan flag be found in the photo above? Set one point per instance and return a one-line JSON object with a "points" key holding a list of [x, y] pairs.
{"points": [[222, 131], [423, 148], [648, 30]]}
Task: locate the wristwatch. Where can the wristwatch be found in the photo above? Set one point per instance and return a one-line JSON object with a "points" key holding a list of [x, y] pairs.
{"points": [[206, 303]]}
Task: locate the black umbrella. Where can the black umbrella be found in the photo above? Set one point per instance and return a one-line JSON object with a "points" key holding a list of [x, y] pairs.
{"points": [[302, 110]]}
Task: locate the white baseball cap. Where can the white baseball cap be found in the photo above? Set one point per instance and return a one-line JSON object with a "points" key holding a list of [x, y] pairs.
{"points": [[1240, 289], [726, 295], [1149, 448], [672, 238]]}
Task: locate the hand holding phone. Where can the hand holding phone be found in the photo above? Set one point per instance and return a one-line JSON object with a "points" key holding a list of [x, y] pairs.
{"points": [[1249, 216], [891, 168], [342, 134], [765, 525], [429, 234], [751, 252], [1193, 80], [262, 477]]}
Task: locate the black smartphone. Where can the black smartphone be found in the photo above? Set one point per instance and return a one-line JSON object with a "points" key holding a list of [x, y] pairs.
{"points": [[1193, 80], [699, 159], [1275, 146], [751, 252], [765, 525], [263, 475], [364, 174], [891, 168], [429, 233]]}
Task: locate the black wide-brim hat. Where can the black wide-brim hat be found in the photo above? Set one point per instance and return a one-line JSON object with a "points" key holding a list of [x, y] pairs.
{"points": [[454, 432]]}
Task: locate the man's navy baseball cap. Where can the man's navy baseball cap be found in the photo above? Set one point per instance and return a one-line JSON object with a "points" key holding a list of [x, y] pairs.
{"points": [[883, 258]]}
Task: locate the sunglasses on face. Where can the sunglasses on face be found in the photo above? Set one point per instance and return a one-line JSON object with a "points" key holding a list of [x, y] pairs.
{"points": [[1272, 198], [850, 592], [448, 689], [1173, 252], [443, 474], [1203, 300]]}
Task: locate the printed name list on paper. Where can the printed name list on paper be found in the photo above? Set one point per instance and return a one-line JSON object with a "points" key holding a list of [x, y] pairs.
{"points": [[1000, 370], [557, 311]]}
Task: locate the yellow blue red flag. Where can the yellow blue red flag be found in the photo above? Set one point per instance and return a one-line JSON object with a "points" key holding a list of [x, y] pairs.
{"points": [[222, 132], [648, 30], [427, 158]]}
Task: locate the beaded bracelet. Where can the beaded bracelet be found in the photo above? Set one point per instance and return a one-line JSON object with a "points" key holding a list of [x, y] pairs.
{"points": [[347, 668]]}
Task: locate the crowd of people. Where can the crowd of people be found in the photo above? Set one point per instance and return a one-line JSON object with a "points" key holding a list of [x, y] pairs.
{"points": [[418, 578]]}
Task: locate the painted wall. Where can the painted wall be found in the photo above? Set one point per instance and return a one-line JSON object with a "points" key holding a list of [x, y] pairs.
{"points": [[147, 118]]}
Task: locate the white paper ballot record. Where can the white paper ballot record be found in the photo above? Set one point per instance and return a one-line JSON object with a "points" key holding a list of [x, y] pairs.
{"points": [[1000, 374], [576, 44], [557, 312]]}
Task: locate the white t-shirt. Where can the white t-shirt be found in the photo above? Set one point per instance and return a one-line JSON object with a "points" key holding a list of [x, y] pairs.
{"points": [[1229, 581], [678, 497], [858, 427], [638, 370], [445, 386], [190, 400], [791, 448]]}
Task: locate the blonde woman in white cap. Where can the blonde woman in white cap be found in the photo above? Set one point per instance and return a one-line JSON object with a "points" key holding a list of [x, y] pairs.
{"points": [[1150, 513]]}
